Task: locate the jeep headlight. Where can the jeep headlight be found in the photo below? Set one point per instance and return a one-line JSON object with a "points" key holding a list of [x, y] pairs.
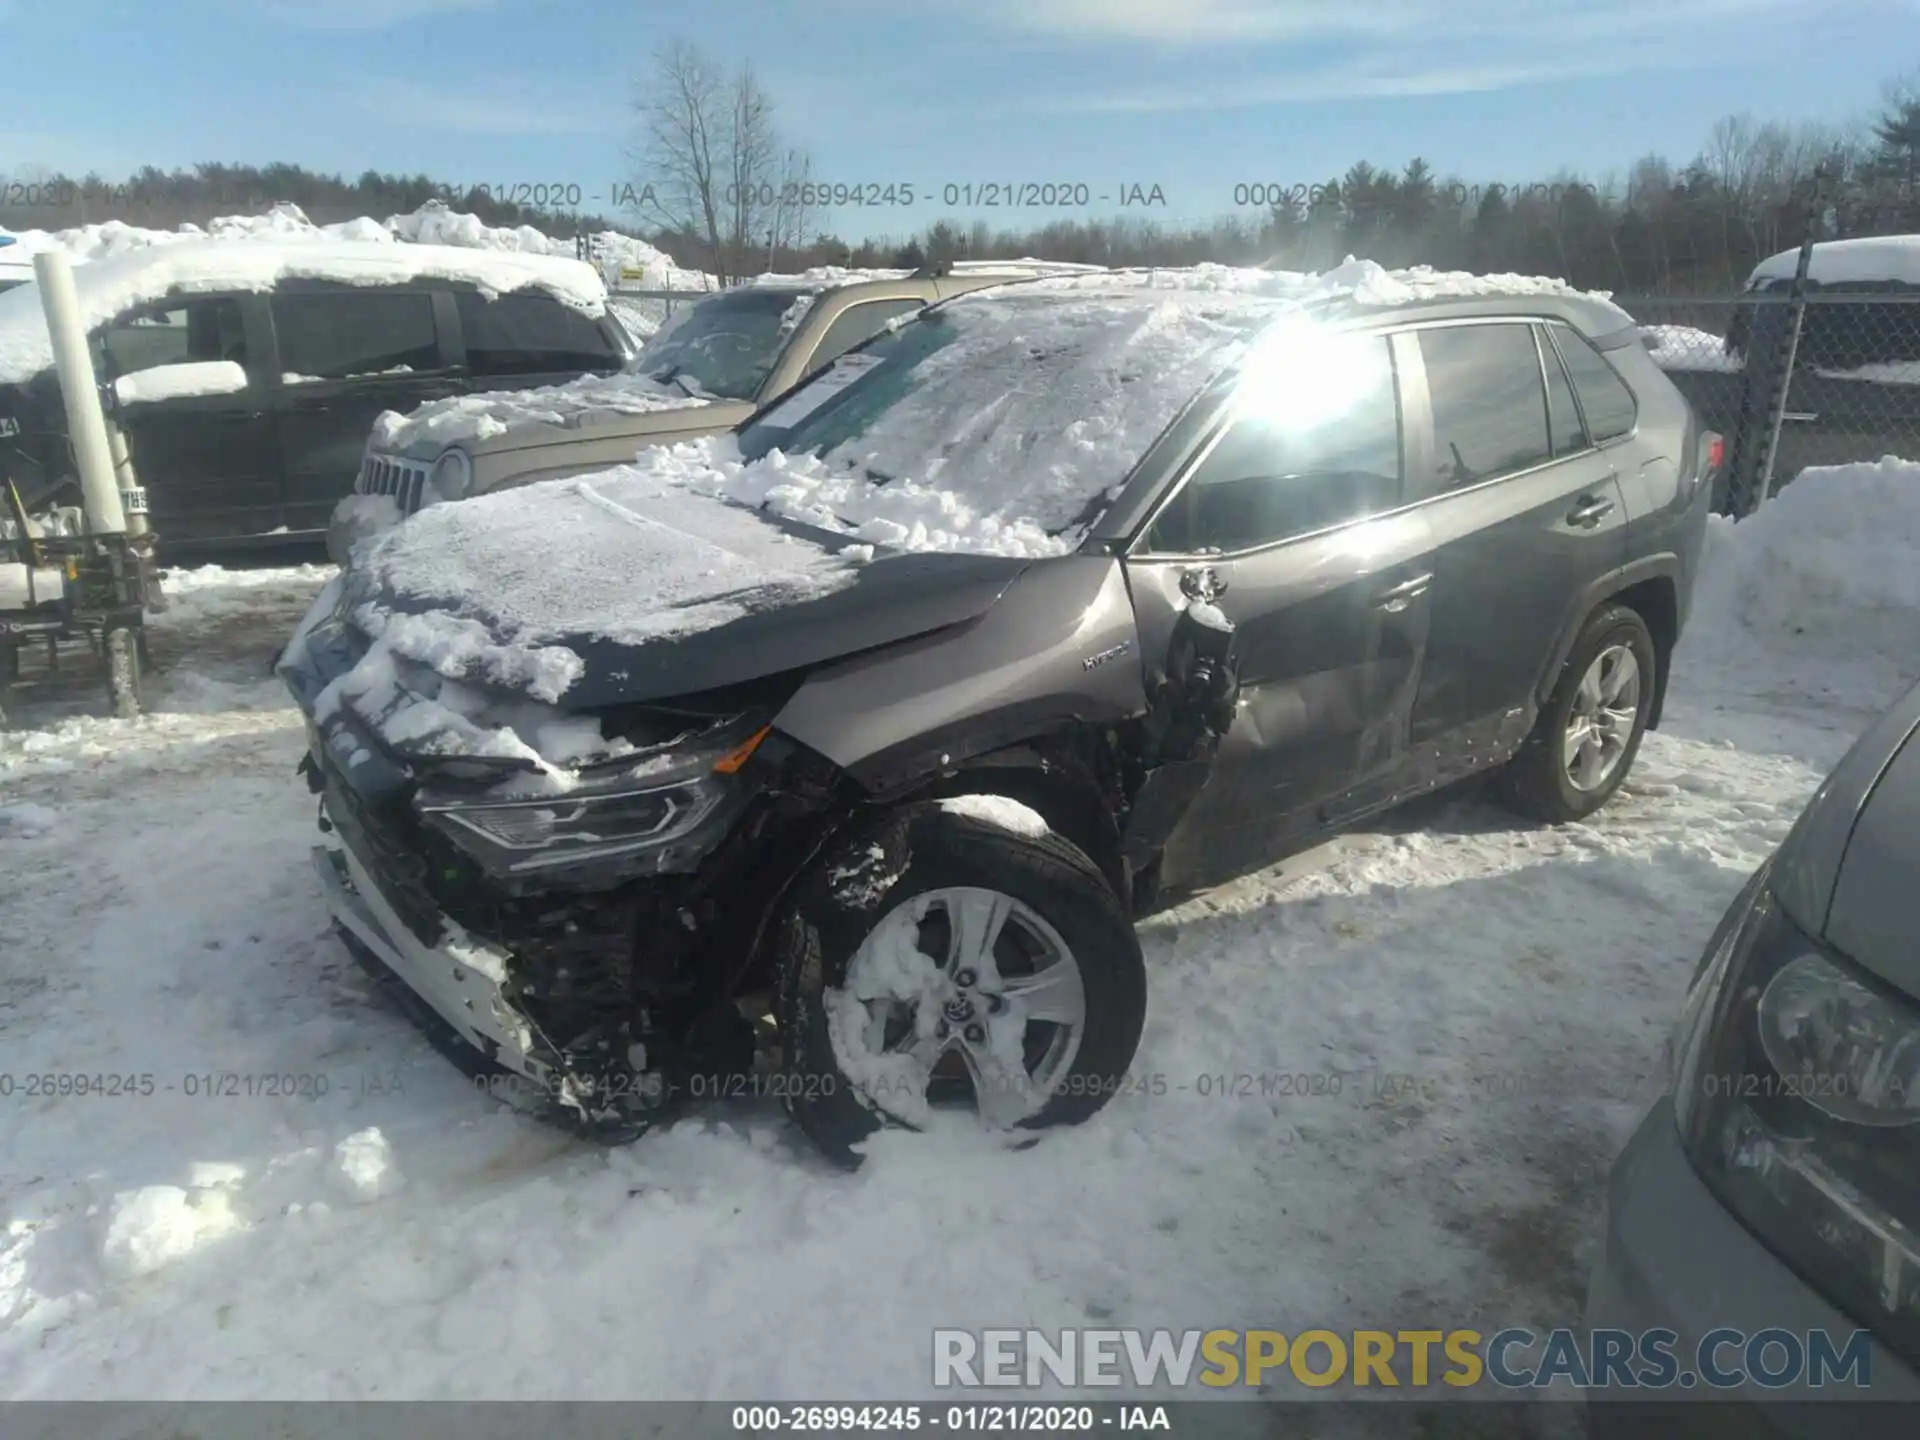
{"points": [[647, 815], [1797, 1092], [452, 475]]}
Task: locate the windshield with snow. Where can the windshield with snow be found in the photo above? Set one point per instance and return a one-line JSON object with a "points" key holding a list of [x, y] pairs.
{"points": [[726, 346], [1032, 405]]}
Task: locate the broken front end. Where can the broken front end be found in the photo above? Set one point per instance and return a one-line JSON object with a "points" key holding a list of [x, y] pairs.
{"points": [[578, 905]]}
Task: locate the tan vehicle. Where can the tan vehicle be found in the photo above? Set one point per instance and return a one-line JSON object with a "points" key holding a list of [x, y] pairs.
{"points": [[703, 373]]}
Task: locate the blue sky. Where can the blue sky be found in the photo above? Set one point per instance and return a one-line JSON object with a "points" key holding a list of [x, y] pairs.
{"points": [[1196, 96]]}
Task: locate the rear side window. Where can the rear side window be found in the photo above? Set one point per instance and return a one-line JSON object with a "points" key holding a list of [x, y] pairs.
{"points": [[1313, 446], [530, 335], [1489, 406], [1563, 415], [1604, 396], [343, 334], [858, 323], [195, 330]]}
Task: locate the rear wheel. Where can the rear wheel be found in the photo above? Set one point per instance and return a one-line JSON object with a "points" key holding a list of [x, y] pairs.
{"points": [[1588, 733], [942, 969]]}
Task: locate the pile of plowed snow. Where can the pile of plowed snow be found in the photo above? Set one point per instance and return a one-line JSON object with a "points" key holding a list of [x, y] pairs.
{"points": [[1823, 578]]}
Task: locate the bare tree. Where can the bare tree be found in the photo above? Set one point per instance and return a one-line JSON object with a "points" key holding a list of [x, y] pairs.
{"points": [[711, 162]]}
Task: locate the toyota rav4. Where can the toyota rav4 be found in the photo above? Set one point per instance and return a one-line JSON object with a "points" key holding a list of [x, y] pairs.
{"points": [[842, 751]]}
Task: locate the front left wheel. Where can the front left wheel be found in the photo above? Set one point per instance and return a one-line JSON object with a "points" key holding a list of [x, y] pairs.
{"points": [[938, 966]]}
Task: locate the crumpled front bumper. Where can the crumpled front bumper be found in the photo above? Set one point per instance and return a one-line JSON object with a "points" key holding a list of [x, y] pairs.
{"points": [[460, 979]]}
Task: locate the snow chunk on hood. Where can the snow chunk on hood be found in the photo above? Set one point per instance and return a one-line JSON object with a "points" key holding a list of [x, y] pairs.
{"points": [[499, 583], [469, 419]]}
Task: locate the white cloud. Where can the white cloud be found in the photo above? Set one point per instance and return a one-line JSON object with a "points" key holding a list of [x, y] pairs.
{"points": [[1275, 52], [483, 106], [1546, 23]]}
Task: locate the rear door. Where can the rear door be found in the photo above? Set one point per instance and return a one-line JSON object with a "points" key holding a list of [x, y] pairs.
{"points": [[207, 462], [344, 354], [1526, 512], [1296, 506]]}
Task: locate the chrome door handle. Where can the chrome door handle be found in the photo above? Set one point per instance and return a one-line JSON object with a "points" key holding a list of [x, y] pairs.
{"points": [[1590, 510], [1396, 598]]}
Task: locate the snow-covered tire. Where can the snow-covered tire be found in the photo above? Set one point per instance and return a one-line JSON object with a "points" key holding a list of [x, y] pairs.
{"points": [[1538, 782], [124, 665], [868, 884]]}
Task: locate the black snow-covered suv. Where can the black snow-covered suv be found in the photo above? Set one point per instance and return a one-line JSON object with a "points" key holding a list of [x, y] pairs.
{"points": [[848, 745]]}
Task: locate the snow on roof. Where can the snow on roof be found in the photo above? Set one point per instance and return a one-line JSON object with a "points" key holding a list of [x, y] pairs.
{"points": [[462, 419], [109, 287], [632, 260], [1868, 258]]}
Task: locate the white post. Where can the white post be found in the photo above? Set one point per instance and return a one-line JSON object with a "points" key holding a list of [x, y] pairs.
{"points": [[86, 422]]}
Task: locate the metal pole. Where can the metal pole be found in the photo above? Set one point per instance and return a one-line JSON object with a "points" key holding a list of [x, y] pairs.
{"points": [[86, 422], [1797, 303]]}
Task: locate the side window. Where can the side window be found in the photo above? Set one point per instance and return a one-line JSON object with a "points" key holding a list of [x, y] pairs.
{"points": [[530, 334], [347, 334], [1489, 409], [209, 329], [1603, 394], [858, 323], [1563, 416], [1313, 442]]}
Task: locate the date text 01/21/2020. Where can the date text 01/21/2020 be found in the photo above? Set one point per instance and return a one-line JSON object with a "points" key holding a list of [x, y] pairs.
{"points": [[890, 194], [1271, 195], [198, 1085]]}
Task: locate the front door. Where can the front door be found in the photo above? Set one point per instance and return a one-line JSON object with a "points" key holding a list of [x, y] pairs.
{"points": [[345, 354], [1292, 517], [206, 460], [1527, 514]]}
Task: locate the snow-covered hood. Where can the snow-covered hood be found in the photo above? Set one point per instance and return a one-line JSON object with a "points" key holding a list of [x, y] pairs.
{"points": [[607, 405], [633, 584]]}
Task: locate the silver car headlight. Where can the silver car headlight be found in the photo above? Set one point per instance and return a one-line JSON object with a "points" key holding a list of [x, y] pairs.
{"points": [[452, 475], [1797, 1093], [657, 814]]}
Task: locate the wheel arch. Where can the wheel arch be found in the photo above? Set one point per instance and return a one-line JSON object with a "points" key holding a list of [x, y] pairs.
{"points": [[1650, 587]]}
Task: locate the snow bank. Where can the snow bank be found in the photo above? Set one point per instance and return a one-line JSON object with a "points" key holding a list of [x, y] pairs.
{"points": [[1823, 574], [468, 419], [108, 287]]}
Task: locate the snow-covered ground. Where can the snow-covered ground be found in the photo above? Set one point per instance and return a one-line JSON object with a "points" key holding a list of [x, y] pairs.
{"points": [[1491, 996]]}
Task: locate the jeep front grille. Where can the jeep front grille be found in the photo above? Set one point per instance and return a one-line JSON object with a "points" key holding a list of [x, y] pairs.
{"points": [[404, 480]]}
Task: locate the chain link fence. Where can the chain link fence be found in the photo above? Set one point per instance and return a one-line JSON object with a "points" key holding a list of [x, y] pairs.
{"points": [[1824, 377]]}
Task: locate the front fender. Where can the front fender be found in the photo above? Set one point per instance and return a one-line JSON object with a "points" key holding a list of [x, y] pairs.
{"points": [[1058, 646]]}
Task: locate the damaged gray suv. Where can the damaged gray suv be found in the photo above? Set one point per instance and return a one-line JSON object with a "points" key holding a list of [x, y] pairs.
{"points": [[834, 757]]}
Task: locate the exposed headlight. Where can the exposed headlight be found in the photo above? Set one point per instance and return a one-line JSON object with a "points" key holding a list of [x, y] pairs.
{"points": [[1797, 1092], [639, 817], [452, 475]]}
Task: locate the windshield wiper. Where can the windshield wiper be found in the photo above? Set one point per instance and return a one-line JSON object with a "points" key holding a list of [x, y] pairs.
{"points": [[671, 376]]}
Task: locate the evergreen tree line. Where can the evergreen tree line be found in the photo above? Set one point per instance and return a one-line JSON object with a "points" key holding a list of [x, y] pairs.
{"points": [[1754, 189]]}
